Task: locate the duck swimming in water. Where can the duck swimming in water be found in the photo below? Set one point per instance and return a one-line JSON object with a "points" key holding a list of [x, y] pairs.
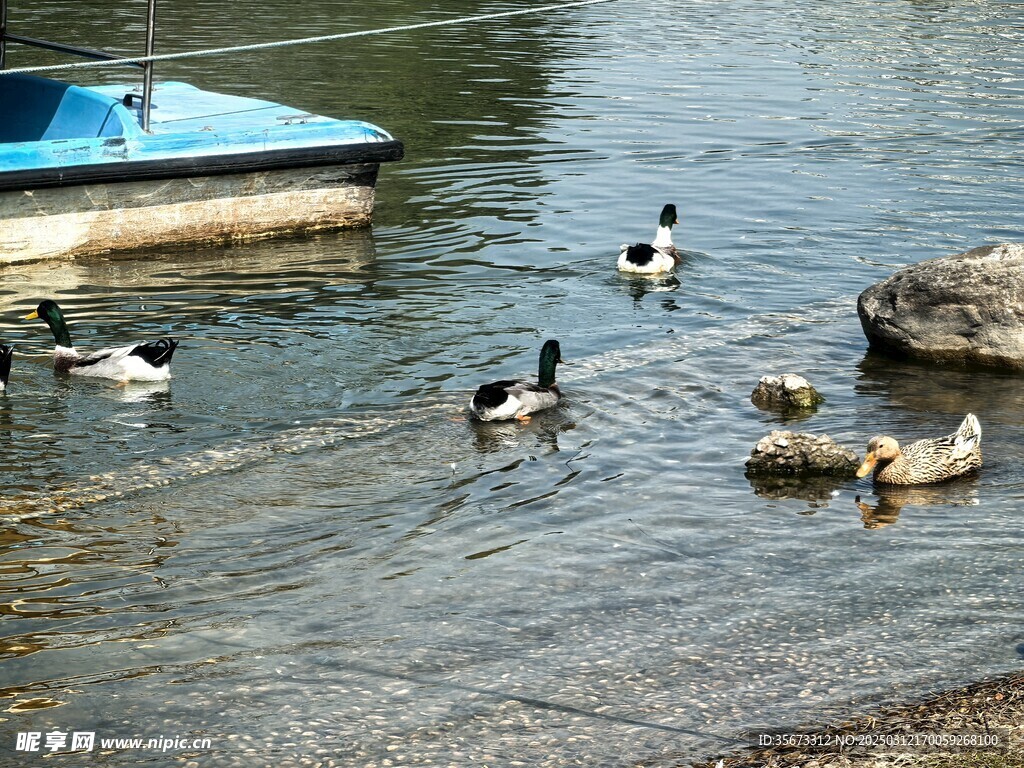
{"points": [[926, 461], [147, 361], [504, 400], [659, 256]]}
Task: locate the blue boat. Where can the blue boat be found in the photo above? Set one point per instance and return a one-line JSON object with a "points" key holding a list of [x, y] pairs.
{"points": [[98, 169]]}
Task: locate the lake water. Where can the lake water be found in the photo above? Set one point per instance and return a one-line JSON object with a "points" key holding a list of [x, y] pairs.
{"points": [[301, 549]]}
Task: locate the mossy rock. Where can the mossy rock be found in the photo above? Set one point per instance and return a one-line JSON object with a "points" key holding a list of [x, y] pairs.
{"points": [[786, 392]]}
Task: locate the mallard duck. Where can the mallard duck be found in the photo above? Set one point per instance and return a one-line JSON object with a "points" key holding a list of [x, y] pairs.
{"points": [[148, 361], [659, 256], [926, 461], [5, 365], [517, 399]]}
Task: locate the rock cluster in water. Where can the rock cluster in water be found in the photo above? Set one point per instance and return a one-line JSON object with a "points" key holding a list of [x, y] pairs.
{"points": [[963, 309], [788, 391], [801, 453]]}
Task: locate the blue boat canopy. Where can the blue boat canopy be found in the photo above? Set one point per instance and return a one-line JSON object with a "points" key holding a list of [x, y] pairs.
{"points": [[58, 134]]}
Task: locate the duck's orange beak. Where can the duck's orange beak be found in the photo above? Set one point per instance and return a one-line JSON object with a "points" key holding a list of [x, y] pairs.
{"points": [[869, 464], [33, 316]]}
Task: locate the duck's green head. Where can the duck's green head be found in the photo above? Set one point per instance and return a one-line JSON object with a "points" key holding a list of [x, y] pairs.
{"points": [[668, 216], [550, 356], [53, 317]]}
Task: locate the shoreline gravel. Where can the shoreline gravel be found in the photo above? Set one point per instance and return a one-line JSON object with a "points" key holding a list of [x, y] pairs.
{"points": [[977, 726]]}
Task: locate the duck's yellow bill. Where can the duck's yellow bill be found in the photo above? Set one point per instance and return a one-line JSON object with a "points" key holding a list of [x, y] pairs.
{"points": [[867, 466], [33, 316]]}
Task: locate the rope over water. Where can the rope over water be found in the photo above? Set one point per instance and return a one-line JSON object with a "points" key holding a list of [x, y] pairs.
{"points": [[302, 40]]}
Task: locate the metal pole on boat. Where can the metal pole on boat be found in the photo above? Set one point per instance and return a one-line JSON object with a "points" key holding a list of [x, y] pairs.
{"points": [[147, 80], [3, 34]]}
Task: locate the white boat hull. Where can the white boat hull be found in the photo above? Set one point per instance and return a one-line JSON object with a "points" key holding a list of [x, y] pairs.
{"points": [[91, 219]]}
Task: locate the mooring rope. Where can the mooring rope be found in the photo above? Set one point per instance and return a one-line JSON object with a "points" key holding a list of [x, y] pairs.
{"points": [[303, 40]]}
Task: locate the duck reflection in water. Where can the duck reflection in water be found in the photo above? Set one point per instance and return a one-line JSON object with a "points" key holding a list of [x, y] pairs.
{"points": [[542, 430], [637, 288], [891, 500], [157, 393]]}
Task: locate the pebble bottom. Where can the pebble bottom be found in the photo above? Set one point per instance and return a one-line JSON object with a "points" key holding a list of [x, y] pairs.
{"points": [[606, 698]]}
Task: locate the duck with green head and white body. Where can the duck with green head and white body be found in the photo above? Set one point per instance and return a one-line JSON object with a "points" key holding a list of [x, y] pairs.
{"points": [[510, 399], [660, 256], [147, 361]]}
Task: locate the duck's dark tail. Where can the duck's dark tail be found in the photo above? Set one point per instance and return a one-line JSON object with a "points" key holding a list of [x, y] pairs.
{"points": [[5, 363], [640, 254], [491, 395], [157, 353]]}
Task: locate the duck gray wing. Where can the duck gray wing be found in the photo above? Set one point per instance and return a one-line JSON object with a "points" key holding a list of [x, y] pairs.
{"points": [[533, 396]]}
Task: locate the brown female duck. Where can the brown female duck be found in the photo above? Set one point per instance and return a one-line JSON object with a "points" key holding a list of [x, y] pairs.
{"points": [[926, 461]]}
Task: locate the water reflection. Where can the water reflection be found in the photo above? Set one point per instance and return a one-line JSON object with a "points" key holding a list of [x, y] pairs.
{"points": [[6, 417], [815, 488], [106, 297], [155, 393], [924, 388], [67, 583], [542, 430], [890, 500], [638, 287]]}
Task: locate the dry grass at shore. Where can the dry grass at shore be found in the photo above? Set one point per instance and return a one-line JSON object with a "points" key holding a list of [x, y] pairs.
{"points": [[909, 736]]}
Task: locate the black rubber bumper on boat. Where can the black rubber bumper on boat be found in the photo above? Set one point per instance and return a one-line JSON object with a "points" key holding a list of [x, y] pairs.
{"points": [[187, 167]]}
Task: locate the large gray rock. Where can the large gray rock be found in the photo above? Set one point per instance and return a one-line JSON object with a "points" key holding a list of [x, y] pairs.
{"points": [[800, 453], [966, 309]]}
